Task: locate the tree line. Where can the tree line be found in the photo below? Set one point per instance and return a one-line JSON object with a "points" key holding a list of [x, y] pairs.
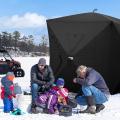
{"points": [[24, 43]]}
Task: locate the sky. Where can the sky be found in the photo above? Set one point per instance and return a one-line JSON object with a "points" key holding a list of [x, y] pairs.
{"points": [[29, 16]]}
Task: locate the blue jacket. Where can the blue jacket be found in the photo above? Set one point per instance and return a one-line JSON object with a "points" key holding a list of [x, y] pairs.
{"points": [[94, 78]]}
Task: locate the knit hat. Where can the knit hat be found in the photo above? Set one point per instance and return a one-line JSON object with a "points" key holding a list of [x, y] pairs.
{"points": [[60, 82], [63, 92], [42, 61], [10, 76]]}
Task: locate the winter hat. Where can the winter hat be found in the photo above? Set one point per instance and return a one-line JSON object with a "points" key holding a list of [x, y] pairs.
{"points": [[10, 73], [42, 61], [10, 76], [63, 92], [60, 82]]}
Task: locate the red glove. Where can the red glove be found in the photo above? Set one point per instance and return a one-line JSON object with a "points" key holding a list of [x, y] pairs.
{"points": [[14, 95]]}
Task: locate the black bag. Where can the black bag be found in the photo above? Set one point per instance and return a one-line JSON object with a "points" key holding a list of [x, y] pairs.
{"points": [[72, 102], [65, 110]]}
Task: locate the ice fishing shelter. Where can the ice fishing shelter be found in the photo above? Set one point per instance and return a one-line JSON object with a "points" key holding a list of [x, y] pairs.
{"points": [[90, 39]]}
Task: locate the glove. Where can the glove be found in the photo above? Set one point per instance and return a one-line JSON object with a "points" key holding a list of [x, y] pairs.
{"points": [[47, 85], [41, 82], [14, 95]]}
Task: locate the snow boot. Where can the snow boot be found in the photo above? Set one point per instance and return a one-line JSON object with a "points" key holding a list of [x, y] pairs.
{"points": [[99, 107], [33, 109], [91, 108], [17, 112]]}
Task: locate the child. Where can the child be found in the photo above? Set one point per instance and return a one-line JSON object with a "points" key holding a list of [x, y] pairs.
{"points": [[55, 97], [62, 94], [7, 92]]}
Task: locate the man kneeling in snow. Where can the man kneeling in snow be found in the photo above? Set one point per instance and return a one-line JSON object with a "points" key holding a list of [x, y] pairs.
{"points": [[94, 89], [41, 77]]}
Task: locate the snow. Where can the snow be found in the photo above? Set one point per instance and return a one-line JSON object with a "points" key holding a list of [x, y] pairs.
{"points": [[111, 111]]}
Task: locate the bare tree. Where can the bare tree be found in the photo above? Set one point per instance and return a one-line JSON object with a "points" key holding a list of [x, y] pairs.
{"points": [[16, 37], [10, 39], [25, 43], [0, 40], [5, 39], [30, 43], [44, 44]]}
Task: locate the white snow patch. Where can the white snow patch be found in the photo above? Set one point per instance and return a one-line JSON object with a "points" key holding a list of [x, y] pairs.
{"points": [[111, 111]]}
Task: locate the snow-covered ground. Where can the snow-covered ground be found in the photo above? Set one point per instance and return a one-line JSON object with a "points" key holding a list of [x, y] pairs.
{"points": [[111, 111]]}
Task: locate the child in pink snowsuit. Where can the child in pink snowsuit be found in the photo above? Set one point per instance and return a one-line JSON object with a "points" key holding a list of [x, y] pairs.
{"points": [[55, 97]]}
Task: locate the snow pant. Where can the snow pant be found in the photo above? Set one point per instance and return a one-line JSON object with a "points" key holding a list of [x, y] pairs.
{"points": [[52, 103], [8, 105], [99, 96], [48, 101], [42, 100]]}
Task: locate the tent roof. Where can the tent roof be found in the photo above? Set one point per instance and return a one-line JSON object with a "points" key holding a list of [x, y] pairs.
{"points": [[79, 30], [85, 17]]}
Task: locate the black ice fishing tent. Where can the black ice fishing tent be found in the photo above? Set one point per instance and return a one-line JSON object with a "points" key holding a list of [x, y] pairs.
{"points": [[90, 39]]}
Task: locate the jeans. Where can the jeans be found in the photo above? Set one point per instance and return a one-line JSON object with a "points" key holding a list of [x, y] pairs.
{"points": [[99, 96], [8, 105], [34, 90]]}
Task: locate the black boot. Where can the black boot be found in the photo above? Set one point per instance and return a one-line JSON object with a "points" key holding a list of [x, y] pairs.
{"points": [[91, 108], [33, 108], [33, 105], [99, 107]]}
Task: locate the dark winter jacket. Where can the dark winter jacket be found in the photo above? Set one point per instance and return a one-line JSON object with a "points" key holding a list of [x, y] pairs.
{"points": [[7, 88], [94, 78], [42, 78]]}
